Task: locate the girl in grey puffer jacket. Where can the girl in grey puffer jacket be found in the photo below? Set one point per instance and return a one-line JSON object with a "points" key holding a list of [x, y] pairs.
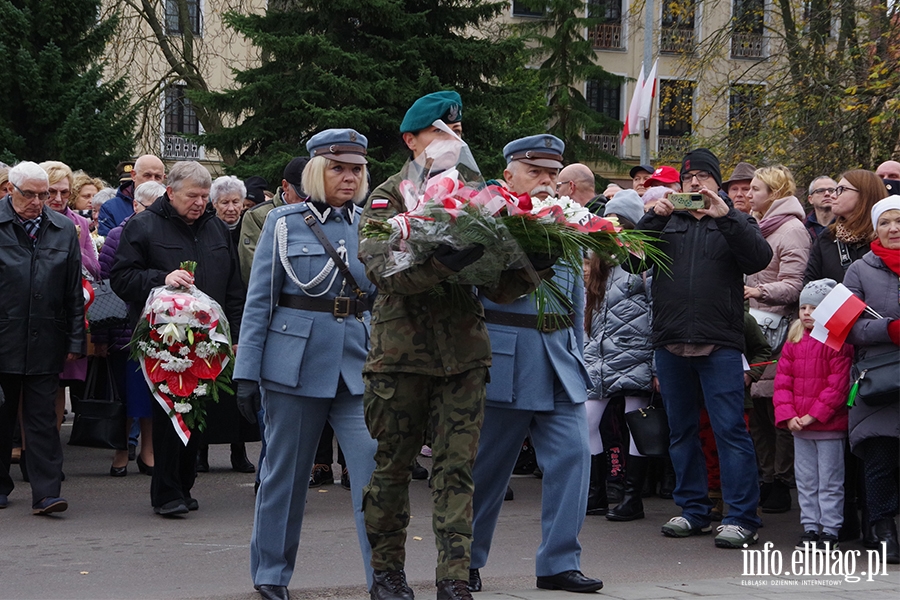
{"points": [[619, 358]]}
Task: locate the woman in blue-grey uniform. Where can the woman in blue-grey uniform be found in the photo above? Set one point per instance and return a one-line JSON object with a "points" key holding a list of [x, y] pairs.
{"points": [[303, 343]]}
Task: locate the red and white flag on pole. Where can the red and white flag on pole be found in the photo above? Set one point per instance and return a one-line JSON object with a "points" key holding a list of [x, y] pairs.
{"points": [[647, 94], [835, 316], [631, 119]]}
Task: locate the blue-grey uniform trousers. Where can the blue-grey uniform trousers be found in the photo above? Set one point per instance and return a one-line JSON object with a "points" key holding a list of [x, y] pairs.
{"points": [[292, 425], [560, 439]]}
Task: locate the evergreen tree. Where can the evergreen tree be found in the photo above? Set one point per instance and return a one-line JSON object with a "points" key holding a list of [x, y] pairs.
{"points": [[361, 64], [567, 60], [55, 104]]}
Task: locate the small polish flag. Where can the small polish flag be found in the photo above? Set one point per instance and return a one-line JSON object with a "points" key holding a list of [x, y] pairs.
{"points": [[379, 203], [835, 316]]}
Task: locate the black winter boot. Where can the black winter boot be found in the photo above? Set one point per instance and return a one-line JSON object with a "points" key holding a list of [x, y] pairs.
{"points": [[667, 484], [886, 531], [597, 503], [632, 507]]}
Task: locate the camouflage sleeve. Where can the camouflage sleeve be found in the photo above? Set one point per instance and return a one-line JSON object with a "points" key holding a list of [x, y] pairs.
{"points": [[414, 280], [514, 284], [250, 230]]}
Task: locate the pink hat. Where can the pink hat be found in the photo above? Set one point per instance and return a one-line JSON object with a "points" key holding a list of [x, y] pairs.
{"points": [[663, 176]]}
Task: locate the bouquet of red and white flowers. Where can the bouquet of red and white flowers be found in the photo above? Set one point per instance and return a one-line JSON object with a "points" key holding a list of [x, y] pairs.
{"points": [[447, 202], [183, 344]]}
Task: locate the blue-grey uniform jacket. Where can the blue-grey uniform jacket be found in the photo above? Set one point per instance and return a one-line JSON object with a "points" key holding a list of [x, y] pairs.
{"points": [[295, 351], [527, 362]]}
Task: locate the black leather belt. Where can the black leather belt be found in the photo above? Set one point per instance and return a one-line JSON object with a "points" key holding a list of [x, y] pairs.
{"points": [[552, 321], [339, 307]]}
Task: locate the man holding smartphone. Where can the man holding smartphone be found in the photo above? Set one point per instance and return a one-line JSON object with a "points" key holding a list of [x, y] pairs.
{"points": [[698, 334]]}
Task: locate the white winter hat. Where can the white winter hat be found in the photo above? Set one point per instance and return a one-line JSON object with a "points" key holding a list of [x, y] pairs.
{"points": [[882, 206]]}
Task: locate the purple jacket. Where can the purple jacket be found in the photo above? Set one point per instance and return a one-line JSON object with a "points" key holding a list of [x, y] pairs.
{"points": [[88, 251], [116, 338], [813, 379]]}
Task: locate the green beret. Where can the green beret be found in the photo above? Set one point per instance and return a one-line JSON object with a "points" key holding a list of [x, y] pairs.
{"points": [[446, 106]]}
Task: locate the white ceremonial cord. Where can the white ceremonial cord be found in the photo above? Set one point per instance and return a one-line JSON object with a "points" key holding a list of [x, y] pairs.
{"points": [[281, 240]]}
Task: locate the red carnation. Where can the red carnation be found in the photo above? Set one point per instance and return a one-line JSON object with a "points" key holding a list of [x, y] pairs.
{"points": [[203, 317]]}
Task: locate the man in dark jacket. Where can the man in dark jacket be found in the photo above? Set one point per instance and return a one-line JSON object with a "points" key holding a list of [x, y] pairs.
{"points": [[42, 305], [698, 334], [117, 209], [180, 226]]}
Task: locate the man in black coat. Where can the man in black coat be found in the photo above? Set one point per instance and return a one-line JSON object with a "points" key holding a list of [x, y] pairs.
{"points": [[698, 334], [180, 226], [41, 325]]}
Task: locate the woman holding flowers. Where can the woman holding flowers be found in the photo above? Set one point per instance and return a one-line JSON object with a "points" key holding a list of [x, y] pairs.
{"points": [[179, 227], [305, 338]]}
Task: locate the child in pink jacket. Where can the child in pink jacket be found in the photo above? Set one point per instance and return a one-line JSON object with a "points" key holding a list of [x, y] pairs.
{"points": [[811, 387]]}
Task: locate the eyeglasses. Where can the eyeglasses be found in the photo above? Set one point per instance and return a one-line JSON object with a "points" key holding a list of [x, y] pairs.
{"points": [[700, 175], [843, 188], [562, 183], [62, 193], [29, 195], [823, 191]]}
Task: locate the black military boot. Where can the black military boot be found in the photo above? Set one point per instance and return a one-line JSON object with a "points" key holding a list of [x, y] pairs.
{"points": [[453, 589], [632, 507], [597, 502], [390, 585]]}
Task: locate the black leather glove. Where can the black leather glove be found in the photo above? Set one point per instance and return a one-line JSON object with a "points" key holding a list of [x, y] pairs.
{"points": [[543, 261], [248, 399], [457, 260]]}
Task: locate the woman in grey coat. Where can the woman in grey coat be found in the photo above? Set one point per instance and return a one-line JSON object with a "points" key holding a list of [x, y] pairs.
{"points": [[619, 358], [304, 341], [875, 430]]}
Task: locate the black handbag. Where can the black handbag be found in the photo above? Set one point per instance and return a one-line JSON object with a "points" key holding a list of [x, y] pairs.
{"points": [[107, 311], [876, 379], [100, 415], [649, 428], [774, 328]]}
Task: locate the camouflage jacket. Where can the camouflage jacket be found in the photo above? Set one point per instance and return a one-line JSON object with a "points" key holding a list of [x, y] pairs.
{"points": [[251, 226], [420, 323]]}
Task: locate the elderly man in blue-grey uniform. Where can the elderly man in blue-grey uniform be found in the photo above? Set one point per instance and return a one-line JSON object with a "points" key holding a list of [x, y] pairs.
{"points": [[538, 387]]}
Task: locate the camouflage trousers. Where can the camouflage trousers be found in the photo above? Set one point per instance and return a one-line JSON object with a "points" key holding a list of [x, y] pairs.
{"points": [[399, 409]]}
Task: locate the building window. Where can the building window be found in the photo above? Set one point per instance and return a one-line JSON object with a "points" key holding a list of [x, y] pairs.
{"points": [[677, 29], [748, 17], [173, 21], [676, 108], [745, 107], [605, 98], [608, 33], [179, 113], [817, 18], [522, 9]]}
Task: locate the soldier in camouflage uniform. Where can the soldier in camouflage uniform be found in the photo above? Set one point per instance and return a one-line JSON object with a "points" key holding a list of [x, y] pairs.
{"points": [[426, 369]]}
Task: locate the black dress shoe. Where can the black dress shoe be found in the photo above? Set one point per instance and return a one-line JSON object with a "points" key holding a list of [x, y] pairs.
{"points": [[390, 585], [143, 467], [453, 589], [170, 509], [239, 460], [570, 581], [418, 471], [273, 592], [191, 503], [474, 580], [118, 471]]}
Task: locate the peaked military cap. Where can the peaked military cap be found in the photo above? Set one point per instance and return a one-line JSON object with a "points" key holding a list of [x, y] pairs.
{"points": [[446, 106], [343, 145], [542, 150]]}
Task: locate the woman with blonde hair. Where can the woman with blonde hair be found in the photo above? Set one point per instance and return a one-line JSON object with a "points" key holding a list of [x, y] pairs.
{"points": [[84, 187], [774, 292]]}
